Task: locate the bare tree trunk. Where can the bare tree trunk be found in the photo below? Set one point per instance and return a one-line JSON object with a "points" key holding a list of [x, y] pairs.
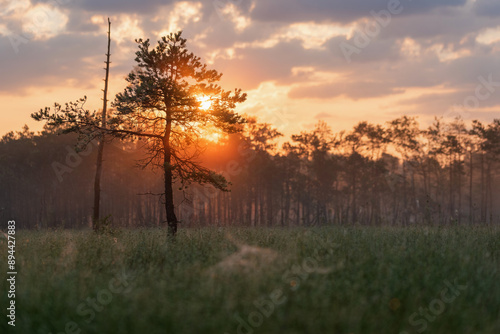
{"points": [[354, 213], [451, 189], [471, 213], [270, 209], [483, 197], [404, 185], [459, 181], [286, 206], [100, 150], [256, 207], [489, 195], [262, 206]]}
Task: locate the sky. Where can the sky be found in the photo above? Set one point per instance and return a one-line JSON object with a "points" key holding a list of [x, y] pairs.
{"points": [[299, 61]]}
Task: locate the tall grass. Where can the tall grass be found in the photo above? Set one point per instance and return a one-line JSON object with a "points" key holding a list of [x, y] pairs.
{"points": [[320, 280]]}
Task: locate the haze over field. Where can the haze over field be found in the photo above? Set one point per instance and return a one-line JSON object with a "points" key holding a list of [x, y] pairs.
{"points": [[299, 61]]}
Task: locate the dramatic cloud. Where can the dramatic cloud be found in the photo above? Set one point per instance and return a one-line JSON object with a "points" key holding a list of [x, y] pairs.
{"points": [[353, 90], [489, 8], [346, 60], [339, 10]]}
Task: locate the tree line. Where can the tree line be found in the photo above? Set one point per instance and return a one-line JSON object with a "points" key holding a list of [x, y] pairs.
{"points": [[396, 173]]}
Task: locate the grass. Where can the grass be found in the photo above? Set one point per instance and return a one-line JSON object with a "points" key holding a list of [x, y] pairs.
{"points": [[321, 280]]}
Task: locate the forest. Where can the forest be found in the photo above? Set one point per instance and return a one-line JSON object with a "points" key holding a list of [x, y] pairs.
{"points": [[397, 173]]}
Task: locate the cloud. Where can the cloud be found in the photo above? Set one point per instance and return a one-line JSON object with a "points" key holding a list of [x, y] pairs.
{"points": [[424, 61], [323, 115], [353, 90], [43, 21], [251, 66], [337, 10], [111, 7], [59, 61], [490, 8]]}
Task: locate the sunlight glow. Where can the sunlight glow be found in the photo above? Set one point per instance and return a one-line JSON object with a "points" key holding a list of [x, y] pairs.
{"points": [[205, 102], [43, 22], [212, 136], [179, 16], [489, 36]]}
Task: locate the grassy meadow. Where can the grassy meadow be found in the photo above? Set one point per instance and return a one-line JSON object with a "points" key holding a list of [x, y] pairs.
{"points": [[262, 280]]}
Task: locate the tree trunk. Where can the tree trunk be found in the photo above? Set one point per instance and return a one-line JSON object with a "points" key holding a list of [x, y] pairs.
{"points": [[471, 213], [354, 213], [451, 189], [489, 195], [100, 150], [169, 197], [169, 193], [287, 202], [97, 186], [483, 197], [269, 207], [459, 185]]}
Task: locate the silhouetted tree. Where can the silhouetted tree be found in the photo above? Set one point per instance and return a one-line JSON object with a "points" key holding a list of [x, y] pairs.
{"points": [[162, 106]]}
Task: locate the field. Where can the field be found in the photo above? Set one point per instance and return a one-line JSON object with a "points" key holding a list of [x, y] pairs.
{"points": [[242, 280]]}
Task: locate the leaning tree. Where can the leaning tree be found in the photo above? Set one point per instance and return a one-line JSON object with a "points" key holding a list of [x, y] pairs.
{"points": [[172, 102]]}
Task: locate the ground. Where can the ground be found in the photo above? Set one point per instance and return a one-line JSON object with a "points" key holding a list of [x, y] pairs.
{"points": [[260, 280]]}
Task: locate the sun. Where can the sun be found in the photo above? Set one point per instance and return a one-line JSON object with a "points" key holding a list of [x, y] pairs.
{"points": [[205, 102], [208, 133], [213, 137]]}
